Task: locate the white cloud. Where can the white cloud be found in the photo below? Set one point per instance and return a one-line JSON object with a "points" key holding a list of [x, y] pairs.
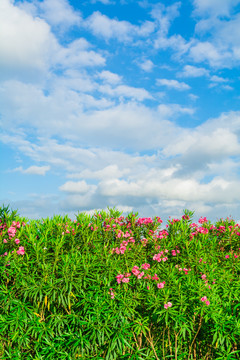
{"points": [[170, 110], [33, 170], [206, 51], [173, 189], [58, 13], [193, 97], [103, 26], [124, 91], [26, 43], [193, 71], [218, 79], [222, 46], [110, 77], [105, 2], [175, 42], [77, 55], [214, 7], [111, 171], [173, 84], [150, 183], [80, 187], [146, 65], [165, 16]]}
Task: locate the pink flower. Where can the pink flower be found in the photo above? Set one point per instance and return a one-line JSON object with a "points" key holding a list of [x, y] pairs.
{"points": [[111, 293], [5, 241], [11, 231], [204, 299], [227, 256], [21, 250], [167, 305], [155, 277], [203, 276], [160, 285], [119, 278], [135, 270], [145, 266], [140, 275], [202, 220], [17, 241]]}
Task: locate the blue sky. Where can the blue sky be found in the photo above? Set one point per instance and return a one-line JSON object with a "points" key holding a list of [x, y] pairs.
{"points": [[132, 104]]}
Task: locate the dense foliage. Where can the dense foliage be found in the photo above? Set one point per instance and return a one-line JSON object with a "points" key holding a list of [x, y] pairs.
{"points": [[113, 287]]}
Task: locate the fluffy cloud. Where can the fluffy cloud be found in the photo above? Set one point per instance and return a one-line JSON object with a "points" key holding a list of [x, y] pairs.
{"points": [[173, 84], [57, 13], [32, 170], [110, 77], [146, 65], [77, 54], [80, 187], [214, 7], [193, 71], [26, 43], [103, 26]]}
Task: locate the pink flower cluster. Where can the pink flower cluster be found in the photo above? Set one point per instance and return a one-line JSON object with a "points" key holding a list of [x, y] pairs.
{"points": [[174, 252], [158, 257], [123, 278], [144, 241], [167, 305], [12, 231], [204, 299], [202, 220], [161, 285], [137, 273], [123, 246], [162, 234], [112, 293], [185, 270], [146, 266], [204, 277], [144, 221], [21, 250]]}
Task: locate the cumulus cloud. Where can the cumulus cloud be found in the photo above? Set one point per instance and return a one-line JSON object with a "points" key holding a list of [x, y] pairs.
{"points": [[218, 79], [214, 7], [169, 110], [32, 170], [26, 43], [77, 54], [146, 65], [110, 77], [123, 31], [193, 71], [173, 84], [124, 91], [80, 187], [58, 13]]}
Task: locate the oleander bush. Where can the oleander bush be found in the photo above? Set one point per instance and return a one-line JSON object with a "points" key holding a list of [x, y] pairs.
{"points": [[112, 287]]}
